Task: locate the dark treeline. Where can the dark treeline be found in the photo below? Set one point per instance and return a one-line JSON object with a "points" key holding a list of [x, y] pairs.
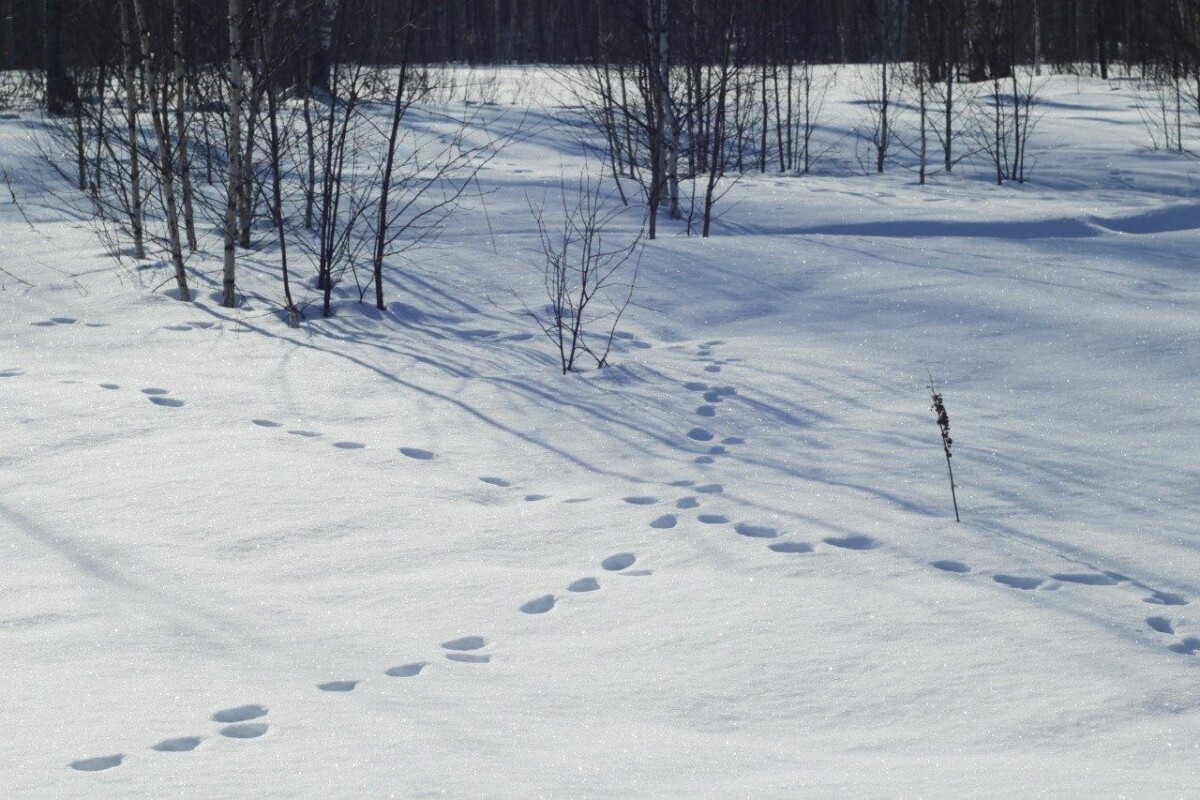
{"points": [[1062, 32]]}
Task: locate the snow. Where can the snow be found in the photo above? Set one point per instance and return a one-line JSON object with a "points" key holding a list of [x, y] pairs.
{"points": [[398, 554]]}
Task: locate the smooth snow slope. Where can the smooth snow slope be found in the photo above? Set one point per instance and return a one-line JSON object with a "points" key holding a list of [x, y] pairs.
{"points": [[399, 555]]}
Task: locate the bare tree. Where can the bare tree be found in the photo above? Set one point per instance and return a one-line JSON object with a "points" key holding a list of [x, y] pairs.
{"points": [[589, 281]]}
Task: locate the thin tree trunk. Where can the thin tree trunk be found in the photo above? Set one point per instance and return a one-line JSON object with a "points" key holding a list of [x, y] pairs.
{"points": [[233, 180], [185, 160], [128, 45], [166, 165]]}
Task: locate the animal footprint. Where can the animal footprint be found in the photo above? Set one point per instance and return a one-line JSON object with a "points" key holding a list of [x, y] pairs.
{"points": [[852, 542], [713, 368], [503, 484], [539, 605], [693, 386], [12, 373], [1188, 647], [155, 391], [99, 763], [699, 435], [706, 411], [349, 445], [1018, 582], [109, 386], [416, 453], [756, 531], [240, 713], [533, 498], [687, 502], [710, 488], [713, 519], [338, 686], [1160, 624], [584, 585], [641, 500], [305, 434], [618, 562], [664, 522], [465, 643], [1165, 599], [168, 402], [265, 423], [244, 730], [680, 484], [951, 566], [406, 670], [183, 744], [790, 547], [732, 440], [703, 460]]}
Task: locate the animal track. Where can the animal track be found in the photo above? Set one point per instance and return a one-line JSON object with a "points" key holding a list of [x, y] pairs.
{"points": [[694, 386], [641, 500], [417, 453], [1166, 599], [703, 460], [244, 730], [1018, 582], [13, 373], [183, 744], [951, 566], [109, 386], [584, 585], [240, 713], [468, 658], [338, 686], [406, 670], [1086, 578], [1188, 647], [687, 502], [712, 396], [699, 435], [713, 368], [664, 522], [539, 605], [305, 434], [168, 402], [713, 519], [852, 542], [349, 445], [155, 391], [99, 763], [618, 562], [756, 531], [732, 440], [1160, 624], [503, 484], [533, 498], [265, 423], [710, 488], [706, 411], [790, 547], [681, 484], [465, 643]]}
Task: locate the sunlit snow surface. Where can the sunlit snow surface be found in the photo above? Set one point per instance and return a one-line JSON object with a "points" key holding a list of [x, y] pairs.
{"points": [[397, 554]]}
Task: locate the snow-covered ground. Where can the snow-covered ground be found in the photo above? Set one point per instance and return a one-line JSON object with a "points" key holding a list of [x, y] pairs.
{"points": [[400, 555]]}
